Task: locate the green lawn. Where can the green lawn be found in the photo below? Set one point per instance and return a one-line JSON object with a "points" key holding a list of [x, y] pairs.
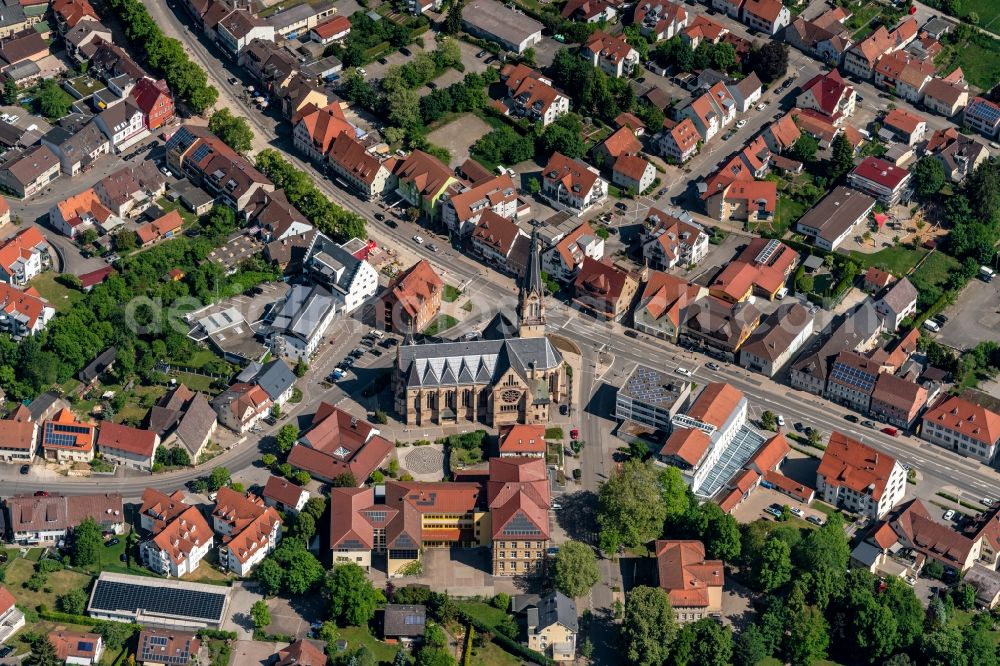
{"points": [[489, 615], [935, 270], [45, 627], [897, 260], [859, 23], [59, 582], [186, 215], [358, 636], [820, 505], [988, 11], [60, 296], [979, 57], [440, 324], [492, 654], [450, 294], [196, 382]]}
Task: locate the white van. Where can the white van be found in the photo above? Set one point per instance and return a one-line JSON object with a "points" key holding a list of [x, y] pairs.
{"points": [[781, 293], [376, 333], [932, 325]]}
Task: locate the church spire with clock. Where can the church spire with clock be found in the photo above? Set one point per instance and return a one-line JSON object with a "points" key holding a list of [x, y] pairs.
{"points": [[531, 297]]}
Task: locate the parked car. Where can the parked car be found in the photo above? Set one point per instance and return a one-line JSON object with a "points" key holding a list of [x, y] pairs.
{"points": [[781, 421], [774, 512], [742, 123], [815, 520], [574, 434], [392, 224], [949, 514], [432, 247], [798, 426], [890, 431], [797, 512], [868, 424], [380, 217], [482, 53], [418, 240], [988, 501], [851, 417], [25, 469], [631, 333], [712, 366], [41, 493]]}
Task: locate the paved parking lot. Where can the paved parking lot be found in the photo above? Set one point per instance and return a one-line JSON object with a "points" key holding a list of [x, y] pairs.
{"points": [[753, 507], [254, 653], [975, 316]]}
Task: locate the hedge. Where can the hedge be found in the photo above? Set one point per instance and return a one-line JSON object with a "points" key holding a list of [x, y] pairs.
{"points": [[58, 616], [507, 644], [218, 634]]}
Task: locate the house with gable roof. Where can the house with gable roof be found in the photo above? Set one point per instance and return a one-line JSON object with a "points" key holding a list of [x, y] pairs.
{"points": [[611, 53], [663, 305], [768, 16], [668, 241], [679, 142], [551, 624], [24, 256], [412, 299], [604, 289], [660, 19], [964, 427], [859, 478], [692, 582], [177, 546], [572, 183], [337, 443], [462, 211], [531, 95], [828, 94], [249, 530], [562, 261], [422, 181]]}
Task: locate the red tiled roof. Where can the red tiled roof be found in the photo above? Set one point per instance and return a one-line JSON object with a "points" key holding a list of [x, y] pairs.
{"points": [[622, 142], [417, 285], [828, 89], [282, 491], [968, 418], [687, 444], [82, 434], [631, 166], [179, 538], [851, 464], [524, 438], [668, 295], [161, 508], [251, 521], [685, 573], [881, 172], [334, 26], [123, 438], [572, 174]]}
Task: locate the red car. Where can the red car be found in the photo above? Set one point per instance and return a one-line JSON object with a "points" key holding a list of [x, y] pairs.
{"points": [[574, 434], [890, 431], [41, 493]]}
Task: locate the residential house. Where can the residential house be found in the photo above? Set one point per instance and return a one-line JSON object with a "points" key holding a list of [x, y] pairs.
{"points": [[275, 217], [154, 101], [781, 135], [777, 340], [859, 478], [250, 530], [768, 16], [858, 331], [275, 377], [906, 127], [746, 93], [680, 142], [412, 300], [876, 280], [131, 190], [852, 380], [860, 59], [904, 74], [532, 95], [335, 30], [818, 126], [838, 215], [762, 267], [987, 584], [300, 322], [633, 174], [964, 427], [68, 13], [23, 313], [897, 401], [660, 19], [828, 94], [403, 622], [720, 326], [64, 439], [24, 256], [692, 582], [344, 270], [77, 150], [495, 22], [18, 437], [881, 179], [237, 29], [186, 419], [79, 37], [74, 647], [242, 406], [461, 212], [422, 180], [562, 261], [604, 289], [945, 97], [177, 547], [124, 124], [301, 653], [164, 227], [551, 624], [500, 243], [45, 520], [824, 37], [523, 440], [621, 142], [159, 509], [131, 448], [703, 29], [732, 8], [663, 305], [570, 183], [79, 212], [29, 172], [611, 53], [366, 174], [589, 11], [284, 495], [168, 646], [983, 116], [960, 157], [898, 303], [317, 129], [751, 201], [338, 443], [298, 20]]}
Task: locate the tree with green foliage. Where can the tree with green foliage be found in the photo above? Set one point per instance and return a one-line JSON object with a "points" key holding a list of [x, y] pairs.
{"points": [[943, 647], [750, 647], [964, 596], [315, 506], [805, 148], [234, 131], [345, 480], [53, 101], [721, 532], [260, 614], [770, 61], [630, 506], [452, 24], [826, 547], [304, 526], [772, 566], [724, 57], [703, 643], [648, 628], [575, 569], [287, 435], [564, 136], [73, 602], [352, 598], [43, 653], [270, 574], [503, 146], [928, 176], [768, 421], [9, 92], [219, 478], [86, 543], [841, 157], [676, 493], [808, 638]]}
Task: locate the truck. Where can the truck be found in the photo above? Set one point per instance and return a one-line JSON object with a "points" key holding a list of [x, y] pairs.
{"points": [[986, 274]]}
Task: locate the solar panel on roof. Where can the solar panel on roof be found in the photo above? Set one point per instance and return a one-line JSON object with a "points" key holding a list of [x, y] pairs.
{"points": [[128, 597], [413, 619]]}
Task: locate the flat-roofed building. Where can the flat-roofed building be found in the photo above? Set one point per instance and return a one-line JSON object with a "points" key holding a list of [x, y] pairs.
{"points": [[155, 602], [495, 22], [839, 214], [651, 398]]}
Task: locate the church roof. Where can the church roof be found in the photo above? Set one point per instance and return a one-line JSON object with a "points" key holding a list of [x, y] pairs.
{"points": [[484, 361]]}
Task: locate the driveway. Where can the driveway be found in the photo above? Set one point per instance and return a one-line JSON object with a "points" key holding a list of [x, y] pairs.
{"points": [[244, 596], [255, 653]]}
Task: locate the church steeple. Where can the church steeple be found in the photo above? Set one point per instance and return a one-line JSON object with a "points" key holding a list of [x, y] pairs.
{"points": [[531, 297]]}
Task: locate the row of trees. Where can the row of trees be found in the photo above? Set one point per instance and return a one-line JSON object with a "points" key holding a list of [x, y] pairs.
{"points": [[166, 55], [423, 67], [302, 192], [234, 131], [677, 53]]}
